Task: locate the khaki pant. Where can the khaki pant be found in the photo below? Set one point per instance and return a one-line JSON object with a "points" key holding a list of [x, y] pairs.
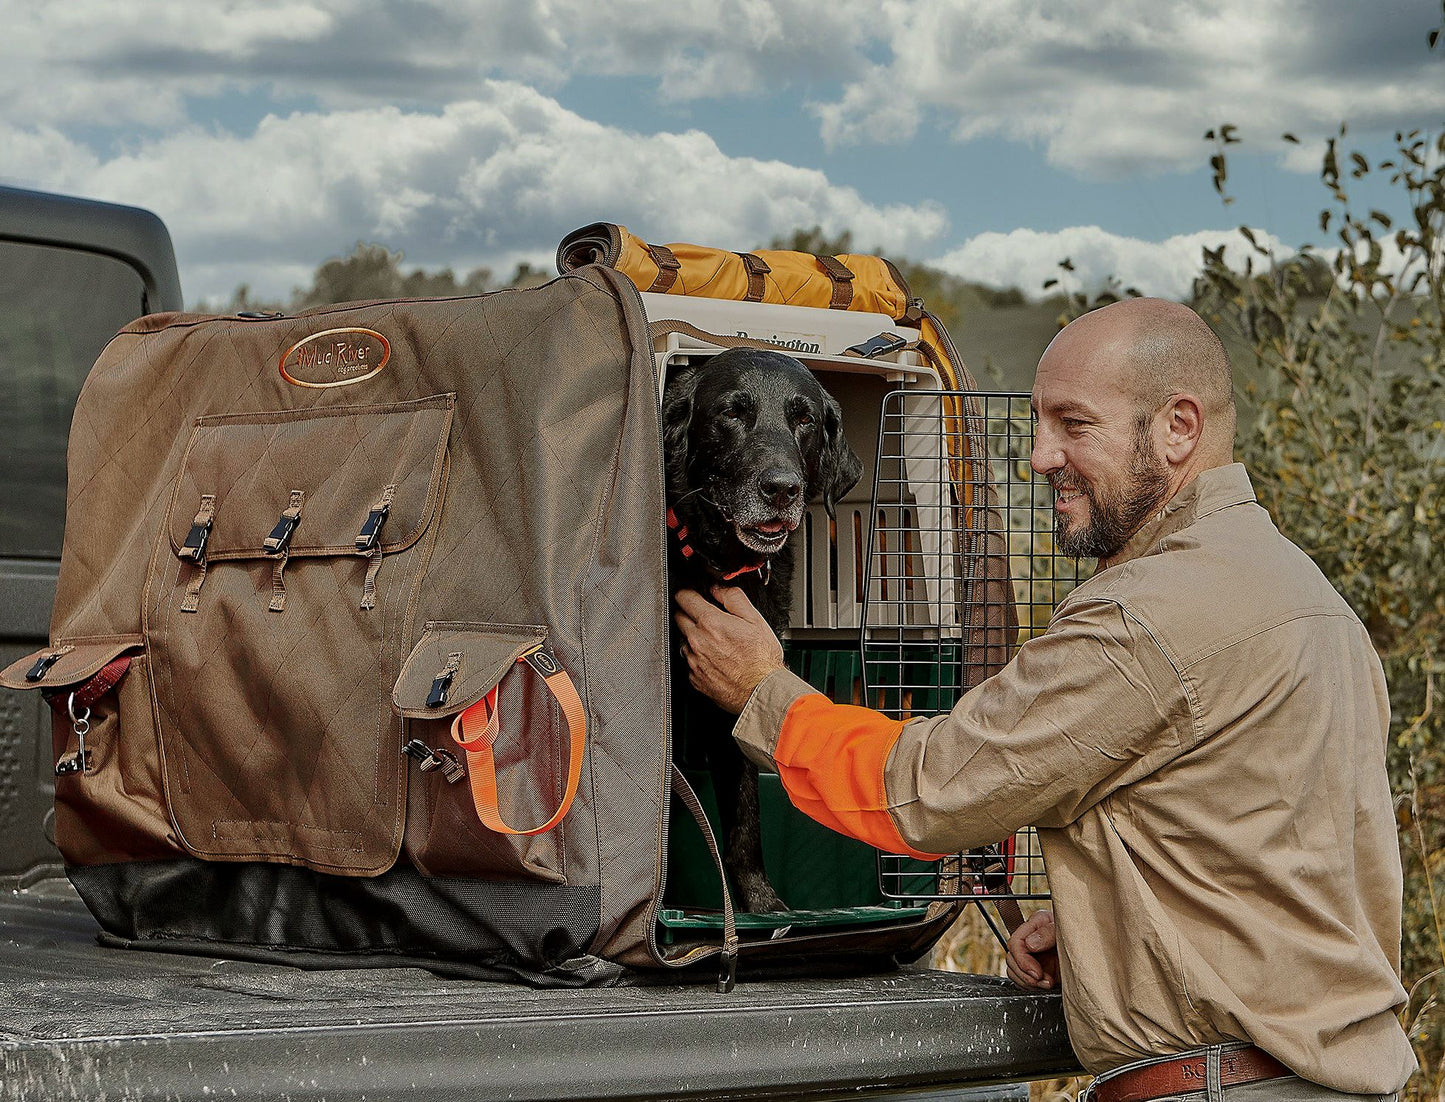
{"points": [[1288, 1089]]}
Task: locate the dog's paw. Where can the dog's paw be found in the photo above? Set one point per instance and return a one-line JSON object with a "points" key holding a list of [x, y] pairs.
{"points": [[759, 898]]}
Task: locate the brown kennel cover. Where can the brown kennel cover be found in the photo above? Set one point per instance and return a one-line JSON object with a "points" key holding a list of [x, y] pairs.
{"points": [[296, 549], [245, 779]]}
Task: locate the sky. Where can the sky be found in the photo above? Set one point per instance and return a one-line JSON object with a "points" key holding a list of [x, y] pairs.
{"points": [[992, 138]]}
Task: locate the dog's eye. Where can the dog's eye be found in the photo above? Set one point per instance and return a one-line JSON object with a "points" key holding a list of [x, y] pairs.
{"points": [[803, 419]]}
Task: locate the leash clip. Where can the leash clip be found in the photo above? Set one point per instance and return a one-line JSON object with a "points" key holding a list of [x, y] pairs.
{"points": [[77, 761]]}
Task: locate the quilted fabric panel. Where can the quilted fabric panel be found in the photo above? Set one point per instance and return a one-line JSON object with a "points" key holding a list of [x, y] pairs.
{"points": [[549, 512], [344, 461]]}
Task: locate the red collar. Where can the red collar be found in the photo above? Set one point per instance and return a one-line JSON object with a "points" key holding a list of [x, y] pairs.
{"points": [[763, 569]]}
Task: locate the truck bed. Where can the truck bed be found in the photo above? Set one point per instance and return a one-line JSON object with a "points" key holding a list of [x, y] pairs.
{"points": [[84, 1021]]}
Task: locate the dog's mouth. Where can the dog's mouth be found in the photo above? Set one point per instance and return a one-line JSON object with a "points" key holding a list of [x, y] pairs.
{"points": [[766, 537]]}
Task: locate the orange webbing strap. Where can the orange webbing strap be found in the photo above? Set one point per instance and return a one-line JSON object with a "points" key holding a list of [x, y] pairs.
{"points": [[482, 766]]}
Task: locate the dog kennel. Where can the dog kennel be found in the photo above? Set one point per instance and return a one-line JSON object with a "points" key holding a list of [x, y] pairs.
{"points": [[893, 605]]}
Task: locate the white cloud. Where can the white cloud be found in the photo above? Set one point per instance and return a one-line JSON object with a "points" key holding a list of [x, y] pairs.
{"points": [[1167, 269], [487, 181], [1105, 87], [97, 62], [1113, 88]]}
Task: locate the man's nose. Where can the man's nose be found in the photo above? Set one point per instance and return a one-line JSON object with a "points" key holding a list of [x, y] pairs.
{"points": [[780, 487], [1046, 455]]}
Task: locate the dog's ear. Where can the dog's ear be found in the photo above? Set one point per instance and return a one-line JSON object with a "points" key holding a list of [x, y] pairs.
{"points": [[677, 407], [839, 468]]}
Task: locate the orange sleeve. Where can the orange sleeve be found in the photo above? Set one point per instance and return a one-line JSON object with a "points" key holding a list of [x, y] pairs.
{"points": [[831, 759]]}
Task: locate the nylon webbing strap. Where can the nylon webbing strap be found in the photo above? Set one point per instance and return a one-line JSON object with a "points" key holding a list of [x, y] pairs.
{"points": [[729, 973], [992, 874], [88, 692], [1008, 910], [667, 268], [370, 537], [842, 281], [194, 551], [278, 584], [756, 268], [475, 730], [663, 328]]}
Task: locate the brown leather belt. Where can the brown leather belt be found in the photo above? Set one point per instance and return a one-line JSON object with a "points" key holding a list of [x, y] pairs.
{"points": [[1188, 1074]]}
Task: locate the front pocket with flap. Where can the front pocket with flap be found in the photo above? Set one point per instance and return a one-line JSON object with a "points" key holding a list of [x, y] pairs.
{"points": [[491, 800], [278, 602], [108, 795]]}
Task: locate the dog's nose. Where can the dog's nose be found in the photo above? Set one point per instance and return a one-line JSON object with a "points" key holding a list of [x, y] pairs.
{"points": [[780, 487]]}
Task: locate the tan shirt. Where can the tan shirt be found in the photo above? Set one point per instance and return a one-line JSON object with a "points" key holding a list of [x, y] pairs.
{"points": [[1200, 738]]}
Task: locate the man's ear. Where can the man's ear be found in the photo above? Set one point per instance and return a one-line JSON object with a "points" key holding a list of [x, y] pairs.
{"points": [[1183, 427], [839, 468]]}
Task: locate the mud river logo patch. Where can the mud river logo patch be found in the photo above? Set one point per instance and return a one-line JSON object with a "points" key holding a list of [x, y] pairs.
{"points": [[335, 357]]}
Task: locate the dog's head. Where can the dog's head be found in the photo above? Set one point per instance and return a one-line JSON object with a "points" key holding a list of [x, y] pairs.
{"points": [[751, 437]]}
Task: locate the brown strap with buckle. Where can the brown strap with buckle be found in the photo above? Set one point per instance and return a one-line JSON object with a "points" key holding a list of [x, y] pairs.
{"points": [[667, 268], [1188, 1074], [842, 281], [756, 267]]}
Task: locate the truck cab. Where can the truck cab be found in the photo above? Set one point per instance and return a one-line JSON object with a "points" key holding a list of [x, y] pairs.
{"points": [[72, 272]]}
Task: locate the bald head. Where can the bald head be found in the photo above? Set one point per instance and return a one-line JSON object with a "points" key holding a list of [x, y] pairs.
{"points": [[1131, 403], [1156, 350]]}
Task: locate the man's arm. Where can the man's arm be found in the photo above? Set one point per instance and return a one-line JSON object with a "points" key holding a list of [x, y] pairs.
{"points": [[1090, 705]]}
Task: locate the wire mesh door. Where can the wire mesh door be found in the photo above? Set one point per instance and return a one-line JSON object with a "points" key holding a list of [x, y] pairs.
{"points": [[960, 568]]}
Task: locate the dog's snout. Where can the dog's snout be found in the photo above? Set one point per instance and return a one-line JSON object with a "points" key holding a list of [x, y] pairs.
{"points": [[780, 487]]}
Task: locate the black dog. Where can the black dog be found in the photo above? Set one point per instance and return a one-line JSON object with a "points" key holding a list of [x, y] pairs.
{"points": [[750, 438]]}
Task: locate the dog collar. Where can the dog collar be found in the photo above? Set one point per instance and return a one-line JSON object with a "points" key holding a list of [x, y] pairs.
{"points": [[763, 569]]}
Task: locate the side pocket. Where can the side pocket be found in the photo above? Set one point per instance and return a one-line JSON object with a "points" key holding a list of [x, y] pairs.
{"points": [[109, 800], [525, 784]]}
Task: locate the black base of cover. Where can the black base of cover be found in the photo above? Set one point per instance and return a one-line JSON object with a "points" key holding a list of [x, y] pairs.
{"points": [[481, 929]]}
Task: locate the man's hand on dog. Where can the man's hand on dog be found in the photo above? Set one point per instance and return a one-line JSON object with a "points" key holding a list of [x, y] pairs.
{"points": [[729, 649], [1033, 961]]}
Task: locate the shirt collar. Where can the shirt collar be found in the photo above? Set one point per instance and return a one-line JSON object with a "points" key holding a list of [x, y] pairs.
{"points": [[1211, 490]]}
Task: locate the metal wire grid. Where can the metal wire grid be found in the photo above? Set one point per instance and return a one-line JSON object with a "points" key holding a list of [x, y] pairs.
{"points": [[936, 614]]}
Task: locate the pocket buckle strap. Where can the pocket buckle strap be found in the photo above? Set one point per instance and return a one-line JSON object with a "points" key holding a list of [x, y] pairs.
{"points": [[442, 682], [42, 665], [280, 538]]}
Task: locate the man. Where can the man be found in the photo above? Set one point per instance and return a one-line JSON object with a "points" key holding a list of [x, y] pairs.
{"points": [[1199, 737]]}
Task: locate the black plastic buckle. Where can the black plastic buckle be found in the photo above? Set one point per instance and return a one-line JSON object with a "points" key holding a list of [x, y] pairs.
{"points": [[195, 546], [280, 537], [440, 685], [370, 531], [727, 976], [880, 345], [42, 666]]}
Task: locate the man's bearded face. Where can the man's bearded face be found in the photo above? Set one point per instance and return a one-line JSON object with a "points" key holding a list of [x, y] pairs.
{"points": [[1116, 510]]}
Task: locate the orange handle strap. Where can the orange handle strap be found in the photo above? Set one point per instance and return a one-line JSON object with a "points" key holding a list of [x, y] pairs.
{"points": [[482, 766]]}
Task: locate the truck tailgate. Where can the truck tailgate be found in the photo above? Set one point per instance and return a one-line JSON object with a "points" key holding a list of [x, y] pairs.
{"points": [[83, 1021]]}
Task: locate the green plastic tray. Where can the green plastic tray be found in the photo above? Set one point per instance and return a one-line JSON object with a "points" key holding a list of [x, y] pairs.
{"points": [[816, 871]]}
